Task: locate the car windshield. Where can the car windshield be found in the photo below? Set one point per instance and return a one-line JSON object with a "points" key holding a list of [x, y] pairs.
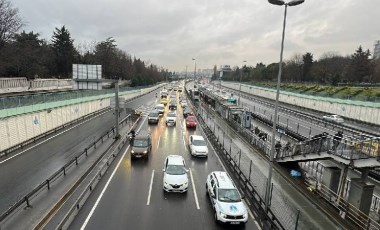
{"points": [[199, 143], [153, 114], [175, 169], [190, 118], [228, 195], [171, 114], [160, 107], [140, 143]]}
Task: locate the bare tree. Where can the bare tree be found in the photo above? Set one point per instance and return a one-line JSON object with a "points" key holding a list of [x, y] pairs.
{"points": [[10, 21]]}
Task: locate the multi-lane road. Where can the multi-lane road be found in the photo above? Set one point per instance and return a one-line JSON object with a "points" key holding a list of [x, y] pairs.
{"points": [[132, 195]]}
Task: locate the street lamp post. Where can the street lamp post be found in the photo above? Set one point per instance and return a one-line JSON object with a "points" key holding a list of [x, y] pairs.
{"points": [[241, 76], [186, 74], [195, 69], [272, 151]]}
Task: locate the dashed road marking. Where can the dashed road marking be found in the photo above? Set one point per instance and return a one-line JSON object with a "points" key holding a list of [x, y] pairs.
{"points": [[150, 188], [195, 191]]}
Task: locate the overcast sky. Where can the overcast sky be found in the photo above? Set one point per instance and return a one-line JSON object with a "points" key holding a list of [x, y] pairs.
{"points": [[169, 33]]}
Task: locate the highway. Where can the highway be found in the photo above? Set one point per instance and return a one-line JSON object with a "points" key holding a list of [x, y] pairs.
{"points": [[20, 173], [132, 196]]}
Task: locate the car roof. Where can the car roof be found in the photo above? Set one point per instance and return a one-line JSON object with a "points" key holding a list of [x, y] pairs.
{"points": [[223, 180], [175, 160], [143, 135], [160, 105], [189, 117], [197, 137]]}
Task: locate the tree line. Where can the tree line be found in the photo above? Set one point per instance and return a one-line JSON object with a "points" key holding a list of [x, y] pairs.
{"points": [[26, 54], [330, 69]]}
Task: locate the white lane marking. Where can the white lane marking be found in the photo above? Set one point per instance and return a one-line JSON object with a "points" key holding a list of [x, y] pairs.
{"points": [[46, 140], [195, 191], [106, 186], [184, 142], [158, 143], [150, 188]]}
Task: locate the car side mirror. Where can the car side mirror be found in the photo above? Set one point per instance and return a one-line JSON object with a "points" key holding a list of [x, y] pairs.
{"points": [[213, 195], [187, 170], [242, 197], [163, 170]]}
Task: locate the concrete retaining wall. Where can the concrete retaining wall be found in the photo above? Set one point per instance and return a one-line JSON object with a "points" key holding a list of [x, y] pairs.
{"points": [[19, 128], [358, 110]]}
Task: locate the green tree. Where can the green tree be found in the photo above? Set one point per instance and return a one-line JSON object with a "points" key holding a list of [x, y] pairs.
{"points": [[360, 68], [106, 55], [306, 67], [64, 52]]}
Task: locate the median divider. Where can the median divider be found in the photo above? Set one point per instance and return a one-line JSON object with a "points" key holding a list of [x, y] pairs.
{"points": [[267, 220], [25, 201], [80, 201]]}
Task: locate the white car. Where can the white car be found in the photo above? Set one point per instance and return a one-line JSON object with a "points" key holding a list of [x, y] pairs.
{"points": [[171, 118], [198, 146], [333, 118], [160, 108], [175, 174], [183, 103], [225, 199]]}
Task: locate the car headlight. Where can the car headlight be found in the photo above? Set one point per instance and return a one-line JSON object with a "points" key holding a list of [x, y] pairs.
{"points": [[145, 151], [222, 215], [132, 151], [245, 215]]}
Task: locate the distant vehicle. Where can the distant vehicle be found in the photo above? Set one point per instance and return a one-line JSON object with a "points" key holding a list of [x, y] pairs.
{"points": [[195, 95], [160, 108], [173, 105], [191, 121], [225, 199], [171, 118], [153, 117], [175, 174], [187, 111], [198, 146], [164, 100], [333, 118], [184, 103], [142, 145]]}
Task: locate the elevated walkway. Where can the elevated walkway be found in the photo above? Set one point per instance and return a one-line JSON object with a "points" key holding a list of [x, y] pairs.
{"points": [[357, 154]]}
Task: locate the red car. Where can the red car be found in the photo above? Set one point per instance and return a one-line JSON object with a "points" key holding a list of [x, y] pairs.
{"points": [[191, 122]]}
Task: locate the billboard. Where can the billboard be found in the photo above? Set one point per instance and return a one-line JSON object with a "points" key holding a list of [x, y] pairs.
{"points": [[87, 76]]}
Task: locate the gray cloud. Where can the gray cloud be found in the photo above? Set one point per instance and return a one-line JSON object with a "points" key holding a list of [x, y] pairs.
{"points": [[171, 32]]}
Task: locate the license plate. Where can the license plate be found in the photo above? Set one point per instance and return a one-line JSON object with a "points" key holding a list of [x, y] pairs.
{"points": [[234, 222]]}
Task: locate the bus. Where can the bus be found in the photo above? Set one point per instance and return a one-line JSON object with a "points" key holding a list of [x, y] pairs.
{"points": [[195, 95]]}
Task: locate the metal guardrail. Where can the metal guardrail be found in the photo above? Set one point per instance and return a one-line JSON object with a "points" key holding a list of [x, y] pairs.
{"points": [[267, 220], [328, 144], [80, 201], [25, 201]]}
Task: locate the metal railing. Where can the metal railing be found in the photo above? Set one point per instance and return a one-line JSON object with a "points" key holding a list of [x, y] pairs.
{"points": [[6, 152], [80, 201], [267, 220], [329, 144], [25, 201]]}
